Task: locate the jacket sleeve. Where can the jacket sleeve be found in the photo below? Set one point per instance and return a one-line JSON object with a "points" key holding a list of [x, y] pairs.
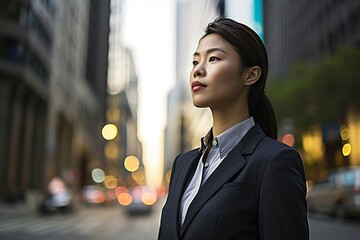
{"points": [[282, 199]]}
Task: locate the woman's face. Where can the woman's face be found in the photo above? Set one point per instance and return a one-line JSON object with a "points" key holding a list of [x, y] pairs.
{"points": [[216, 78]]}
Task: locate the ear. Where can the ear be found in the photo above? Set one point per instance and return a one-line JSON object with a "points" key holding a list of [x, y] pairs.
{"points": [[252, 75]]}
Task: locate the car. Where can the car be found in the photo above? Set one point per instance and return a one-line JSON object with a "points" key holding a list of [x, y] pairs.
{"points": [[57, 198], [138, 200], [337, 194]]}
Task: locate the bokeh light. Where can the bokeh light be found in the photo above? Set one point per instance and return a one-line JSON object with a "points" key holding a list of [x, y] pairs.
{"points": [[131, 163], [139, 176], [344, 132], [121, 189], [56, 186], [346, 149], [97, 196], [109, 131], [149, 198], [312, 142], [125, 199], [110, 181], [98, 175], [288, 139], [137, 193]]}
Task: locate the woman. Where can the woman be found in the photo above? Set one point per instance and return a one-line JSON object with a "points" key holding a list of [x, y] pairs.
{"points": [[241, 183]]}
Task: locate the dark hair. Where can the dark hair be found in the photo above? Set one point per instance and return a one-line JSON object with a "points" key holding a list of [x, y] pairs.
{"points": [[252, 53]]}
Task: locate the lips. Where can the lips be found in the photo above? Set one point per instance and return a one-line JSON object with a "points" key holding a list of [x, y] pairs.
{"points": [[197, 86]]}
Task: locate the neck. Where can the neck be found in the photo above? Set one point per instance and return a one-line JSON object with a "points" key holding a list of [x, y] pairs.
{"points": [[223, 120]]}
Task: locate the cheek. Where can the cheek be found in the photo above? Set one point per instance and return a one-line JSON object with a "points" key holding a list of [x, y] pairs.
{"points": [[227, 78], [228, 88]]}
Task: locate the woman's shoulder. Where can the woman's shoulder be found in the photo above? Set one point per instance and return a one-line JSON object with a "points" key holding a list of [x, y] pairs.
{"points": [[258, 143], [274, 142], [274, 146]]}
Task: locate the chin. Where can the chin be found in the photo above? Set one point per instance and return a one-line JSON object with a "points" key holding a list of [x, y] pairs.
{"points": [[201, 101], [200, 104]]}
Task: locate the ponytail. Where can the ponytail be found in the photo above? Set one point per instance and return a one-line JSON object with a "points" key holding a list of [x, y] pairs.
{"points": [[263, 113]]}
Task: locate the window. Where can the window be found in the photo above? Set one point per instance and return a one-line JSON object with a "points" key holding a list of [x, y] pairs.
{"points": [[348, 178]]}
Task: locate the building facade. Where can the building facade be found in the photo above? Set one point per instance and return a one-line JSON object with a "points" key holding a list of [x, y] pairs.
{"points": [[307, 31], [26, 40], [52, 103], [122, 103]]}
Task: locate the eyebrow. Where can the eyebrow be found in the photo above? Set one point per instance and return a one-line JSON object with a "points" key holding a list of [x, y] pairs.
{"points": [[210, 51]]}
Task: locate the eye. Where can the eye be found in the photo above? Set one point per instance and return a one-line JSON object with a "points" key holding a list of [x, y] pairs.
{"points": [[211, 59], [195, 63]]}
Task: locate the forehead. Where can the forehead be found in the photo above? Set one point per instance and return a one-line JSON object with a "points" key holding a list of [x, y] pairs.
{"points": [[214, 41]]}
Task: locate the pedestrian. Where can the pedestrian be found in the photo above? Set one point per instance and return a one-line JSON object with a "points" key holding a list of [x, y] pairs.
{"points": [[241, 183]]}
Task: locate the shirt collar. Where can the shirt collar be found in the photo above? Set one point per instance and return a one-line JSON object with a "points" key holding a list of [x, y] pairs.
{"points": [[228, 139], [206, 140]]}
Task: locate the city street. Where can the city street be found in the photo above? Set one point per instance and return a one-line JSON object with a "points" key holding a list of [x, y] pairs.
{"points": [[327, 228], [90, 223], [112, 223]]}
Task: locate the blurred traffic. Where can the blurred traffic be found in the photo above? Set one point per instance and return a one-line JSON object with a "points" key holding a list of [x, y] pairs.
{"points": [[56, 199], [337, 194]]}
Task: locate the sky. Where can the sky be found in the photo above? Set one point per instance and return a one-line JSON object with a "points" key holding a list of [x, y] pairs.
{"points": [[149, 30]]}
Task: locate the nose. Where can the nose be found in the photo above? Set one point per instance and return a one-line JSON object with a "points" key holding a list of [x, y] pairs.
{"points": [[199, 71]]}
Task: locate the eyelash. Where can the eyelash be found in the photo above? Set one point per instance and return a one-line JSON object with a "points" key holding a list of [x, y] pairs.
{"points": [[213, 58], [210, 60]]}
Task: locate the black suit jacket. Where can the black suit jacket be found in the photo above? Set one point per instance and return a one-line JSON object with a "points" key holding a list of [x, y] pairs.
{"points": [[257, 192]]}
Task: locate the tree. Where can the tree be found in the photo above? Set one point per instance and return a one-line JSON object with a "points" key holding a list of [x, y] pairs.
{"points": [[319, 93]]}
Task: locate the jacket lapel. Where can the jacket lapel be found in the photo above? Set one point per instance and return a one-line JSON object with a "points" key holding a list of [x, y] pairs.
{"points": [[231, 165], [183, 177]]}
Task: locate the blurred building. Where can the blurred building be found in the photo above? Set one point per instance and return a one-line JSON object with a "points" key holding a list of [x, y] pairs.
{"points": [[53, 71], [122, 103], [185, 123], [26, 40], [308, 30]]}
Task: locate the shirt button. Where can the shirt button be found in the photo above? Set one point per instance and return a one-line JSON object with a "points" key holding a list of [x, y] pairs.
{"points": [[206, 164], [214, 142]]}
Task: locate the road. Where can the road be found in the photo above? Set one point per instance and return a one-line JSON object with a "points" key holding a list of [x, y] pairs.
{"points": [[90, 223], [328, 228], [110, 223]]}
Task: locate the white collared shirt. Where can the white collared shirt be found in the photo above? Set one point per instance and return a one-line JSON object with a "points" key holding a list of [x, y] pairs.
{"points": [[221, 146]]}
